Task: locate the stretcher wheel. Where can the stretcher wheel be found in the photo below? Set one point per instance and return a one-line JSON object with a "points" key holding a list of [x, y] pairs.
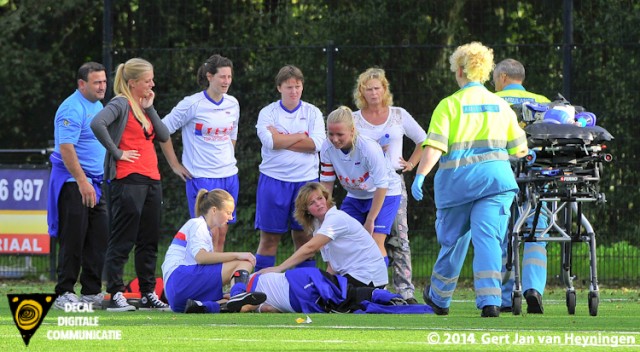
{"points": [[516, 303], [571, 302], [594, 300]]}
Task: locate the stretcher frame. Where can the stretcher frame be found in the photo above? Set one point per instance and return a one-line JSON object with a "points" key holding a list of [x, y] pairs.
{"points": [[556, 181]]}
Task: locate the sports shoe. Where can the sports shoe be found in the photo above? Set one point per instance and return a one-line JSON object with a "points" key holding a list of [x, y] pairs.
{"points": [[194, 306], [95, 300], [490, 312], [506, 309], [150, 301], [427, 300], [67, 297], [398, 301], [411, 300], [235, 303], [118, 303], [534, 301]]}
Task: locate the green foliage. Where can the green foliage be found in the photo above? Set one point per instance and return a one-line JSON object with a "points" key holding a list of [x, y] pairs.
{"points": [[44, 42]]}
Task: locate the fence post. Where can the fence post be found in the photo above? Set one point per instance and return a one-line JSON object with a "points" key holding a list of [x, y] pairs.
{"points": [[567, 46], [330, 49]]}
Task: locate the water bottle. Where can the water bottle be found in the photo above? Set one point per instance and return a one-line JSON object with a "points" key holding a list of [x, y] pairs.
{"points": [[383, 141]]}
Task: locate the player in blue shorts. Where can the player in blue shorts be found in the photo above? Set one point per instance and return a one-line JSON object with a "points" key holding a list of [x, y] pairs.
{"points": [[379, 118], [194, 272], [358, 162], [291, 132], [209, 123]]}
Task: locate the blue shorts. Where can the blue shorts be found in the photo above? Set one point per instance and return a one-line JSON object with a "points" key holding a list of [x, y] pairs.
{"points": [[199, 282], [229, 184], [359, 208], [275, 203]]}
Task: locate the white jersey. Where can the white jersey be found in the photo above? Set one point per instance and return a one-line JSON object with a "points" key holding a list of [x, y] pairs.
{"points": [[398, 124], [276, 286], [351, 250], [208, 128], [283, 164], [190, 239], [361, 171]]}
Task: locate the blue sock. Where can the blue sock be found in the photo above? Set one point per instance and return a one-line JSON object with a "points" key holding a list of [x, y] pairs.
{"points": [[386, 261], [309, 263], [238, 288], [211, 306], [265, 261]]}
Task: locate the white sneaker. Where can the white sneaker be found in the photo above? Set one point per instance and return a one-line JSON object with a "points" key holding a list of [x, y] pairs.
{"points": [[67, 297], [118, 303], [95, 300]]}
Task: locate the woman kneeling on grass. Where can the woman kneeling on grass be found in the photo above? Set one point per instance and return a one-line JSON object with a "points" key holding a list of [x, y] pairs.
{"points": [[345, 245], [194, 272]]}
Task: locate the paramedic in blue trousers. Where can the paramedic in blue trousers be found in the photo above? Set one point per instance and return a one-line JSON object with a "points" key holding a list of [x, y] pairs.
{"points": [[507, 80], [471, 135]]}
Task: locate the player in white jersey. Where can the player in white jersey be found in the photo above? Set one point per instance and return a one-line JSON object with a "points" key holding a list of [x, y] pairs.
{"points": [[209, 123], [291, 132], [358, 162], [380, 120], [194, 272], [345, 245]]}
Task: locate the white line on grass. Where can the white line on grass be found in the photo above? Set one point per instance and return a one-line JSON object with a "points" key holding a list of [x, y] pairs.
{"points": [[352, 327]]}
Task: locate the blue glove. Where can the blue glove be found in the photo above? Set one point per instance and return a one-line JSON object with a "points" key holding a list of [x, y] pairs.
{"points": [[416, 187]]}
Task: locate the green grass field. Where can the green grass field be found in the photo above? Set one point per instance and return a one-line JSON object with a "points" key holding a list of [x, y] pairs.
{"points": [[617, 324]]}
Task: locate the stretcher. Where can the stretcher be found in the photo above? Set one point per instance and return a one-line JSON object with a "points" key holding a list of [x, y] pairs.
{"points": [[560, 175]]}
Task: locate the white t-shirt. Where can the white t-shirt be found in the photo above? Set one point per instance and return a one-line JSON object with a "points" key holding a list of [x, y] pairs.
{"points": [[361, 171], [276, 287], [207, 131], [283, 164], [351, 250], [398, 124], [196, 233]]}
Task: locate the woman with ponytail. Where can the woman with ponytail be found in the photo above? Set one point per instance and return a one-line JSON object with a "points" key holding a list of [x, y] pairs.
{"points": [[127, 127], [194, 272], [209, 123]]}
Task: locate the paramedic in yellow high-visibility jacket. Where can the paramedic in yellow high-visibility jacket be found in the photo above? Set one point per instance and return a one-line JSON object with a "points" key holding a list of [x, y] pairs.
{"points": [[471, 135]]}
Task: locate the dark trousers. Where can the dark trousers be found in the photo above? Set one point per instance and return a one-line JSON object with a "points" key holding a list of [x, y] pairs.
{"points": [[135, 211], [82, 239]]}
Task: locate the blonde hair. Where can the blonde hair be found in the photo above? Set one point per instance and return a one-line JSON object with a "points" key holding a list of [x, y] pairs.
{"points": [[475, 59], [206, 200], [301, 212], [132, 69], [358, 91], [344, 115]]}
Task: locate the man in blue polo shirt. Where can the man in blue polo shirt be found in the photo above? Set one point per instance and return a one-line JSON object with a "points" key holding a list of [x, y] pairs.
{"points": [[508, 76], [76, 212]]}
